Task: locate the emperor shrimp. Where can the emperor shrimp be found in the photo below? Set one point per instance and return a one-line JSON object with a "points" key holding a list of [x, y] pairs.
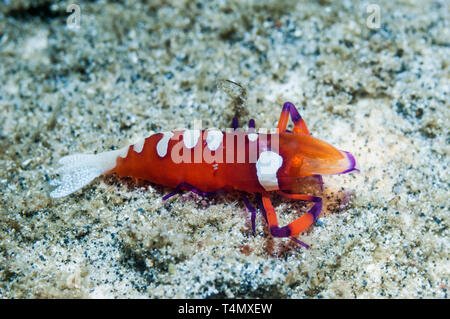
{"points": [[209, 161]]}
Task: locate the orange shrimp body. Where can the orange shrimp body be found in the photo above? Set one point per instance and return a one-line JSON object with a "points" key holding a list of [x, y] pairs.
{"points": [[208, 176], [206, 161], [300, 156]]}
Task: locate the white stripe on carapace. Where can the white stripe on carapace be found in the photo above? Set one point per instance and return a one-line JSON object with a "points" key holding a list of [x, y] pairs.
{"points": [[266, 168], [214, 139], [163, 144], [190, 138], [252, 137]]}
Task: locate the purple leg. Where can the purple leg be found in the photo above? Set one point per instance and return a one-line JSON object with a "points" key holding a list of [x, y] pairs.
{"points": [[173, 193], [300, 242], [253, 212], [235, 123], [251, 125], [189, 187], [261, 206]]}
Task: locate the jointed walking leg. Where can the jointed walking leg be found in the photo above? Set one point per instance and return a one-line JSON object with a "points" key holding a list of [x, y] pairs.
{"points": [[299, 123]]}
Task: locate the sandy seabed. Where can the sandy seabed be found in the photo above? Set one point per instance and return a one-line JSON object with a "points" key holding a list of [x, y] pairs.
{"points": [[132, 68]]}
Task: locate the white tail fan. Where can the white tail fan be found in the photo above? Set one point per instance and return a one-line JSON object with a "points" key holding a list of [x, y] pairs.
{"points": [[78, 170]]}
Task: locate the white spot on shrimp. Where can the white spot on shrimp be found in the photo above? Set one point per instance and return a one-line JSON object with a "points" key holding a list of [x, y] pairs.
{"points": [[190, 138], [214, 139], [139, 145], [252, 137], [266, 169], [163, 144], [122, 152]]}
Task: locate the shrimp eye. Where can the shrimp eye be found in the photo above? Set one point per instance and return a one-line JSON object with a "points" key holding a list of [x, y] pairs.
{"points": [[297, 161]]}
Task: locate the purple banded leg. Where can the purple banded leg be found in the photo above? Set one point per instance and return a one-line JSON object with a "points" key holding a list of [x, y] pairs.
{"points": [[252, 211], [299, 123], [189, 187], [315, 210], [292, 229]]}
